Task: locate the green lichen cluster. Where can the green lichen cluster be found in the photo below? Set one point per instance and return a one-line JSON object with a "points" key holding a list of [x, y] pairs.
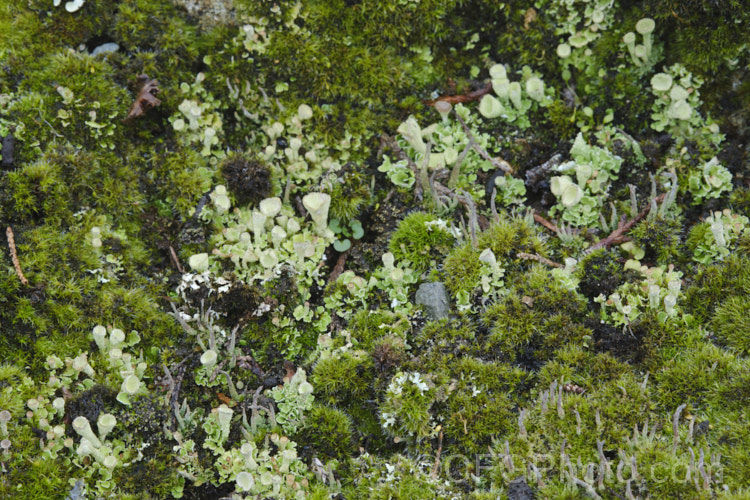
{"points": [[353, 249]]}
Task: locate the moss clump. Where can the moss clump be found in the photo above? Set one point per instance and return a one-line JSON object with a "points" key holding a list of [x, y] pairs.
{"points": [[731, 323], [13, 395], [739, 199], [387, 353], [462, 269], [585, 368], [369, 326], [479, 403], [179, 179], [693, 376], [343, 380], [514, 329], [703, 46], [548, 295], [712, 284], [328, 431], [161, 39], [451, 338], [420, 239], [28, 474], [368, 478], [510, 236], [37, 191], [525, 334]]}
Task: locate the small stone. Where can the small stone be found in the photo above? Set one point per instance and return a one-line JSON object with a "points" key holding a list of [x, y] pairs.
{"points": [[105, 48], [519, 490], [8, 148], [434, 297]]}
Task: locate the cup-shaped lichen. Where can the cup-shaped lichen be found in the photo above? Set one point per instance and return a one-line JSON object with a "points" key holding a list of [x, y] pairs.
{"points": [[82, 427]]}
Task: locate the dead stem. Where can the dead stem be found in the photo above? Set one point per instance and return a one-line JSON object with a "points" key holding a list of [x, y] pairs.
{"points": [[619, 235], [538, 258], [14, 256], [436, 465]]}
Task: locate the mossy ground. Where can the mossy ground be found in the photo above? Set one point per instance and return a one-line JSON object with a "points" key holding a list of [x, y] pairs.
{"points": [[530, 375]]}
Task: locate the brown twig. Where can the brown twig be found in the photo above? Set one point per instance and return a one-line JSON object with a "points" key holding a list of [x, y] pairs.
{"points": [[474, 95], [544, 222], [538, 258], [175, 260], [619, 235], [436, 465], [338, 268], [14, 256]]}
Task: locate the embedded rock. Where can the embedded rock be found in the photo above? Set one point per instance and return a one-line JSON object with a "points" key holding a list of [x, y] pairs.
{"points": [[434, 297]]}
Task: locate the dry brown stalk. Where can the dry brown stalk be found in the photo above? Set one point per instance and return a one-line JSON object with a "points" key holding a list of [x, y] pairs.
{"points": [[14, 255]]}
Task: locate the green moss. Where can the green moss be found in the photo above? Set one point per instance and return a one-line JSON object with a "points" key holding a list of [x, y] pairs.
{"points": [[694, 375], [462, 269], [692, 21], [732, 325], [562, 118], [388, 353], [514, 328], [622, 404], [576, 365], [329, 431], [367, 326], [343, 380], [181, 178], [13, 393], [712, 284], [88, 22], [548, 295], [508, 236], [480, 402], [732, 433], [29, 475], [38, 191], [419, 241], [453, 337], [163, 43], [739, 199], [73, 96], [397, 478], [469, 382]]}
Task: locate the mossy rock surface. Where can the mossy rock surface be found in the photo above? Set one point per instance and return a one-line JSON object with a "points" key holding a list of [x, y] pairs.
{"points": [[217, 216]]}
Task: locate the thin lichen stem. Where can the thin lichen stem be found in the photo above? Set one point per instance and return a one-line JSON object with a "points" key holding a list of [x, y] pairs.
{"points": [[496, 162], [457, 167]]}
